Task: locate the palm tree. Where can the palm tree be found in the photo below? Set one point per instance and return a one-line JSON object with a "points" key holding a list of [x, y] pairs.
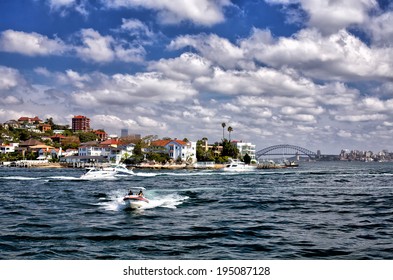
{"points": [[223, 126], [230, 129]]}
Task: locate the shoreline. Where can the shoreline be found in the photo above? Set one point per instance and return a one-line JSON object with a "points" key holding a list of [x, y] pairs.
{"points": [[142, 166]]}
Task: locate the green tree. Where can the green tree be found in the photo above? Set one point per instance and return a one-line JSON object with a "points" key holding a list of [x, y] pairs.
{"points": [[201, 153], [87, 136], [31, 155], [68, 132], [229, 150], [50, 121], [158, 157], [247, 159], [137, 154], [23, 134], [138, 148], [70, 142]]}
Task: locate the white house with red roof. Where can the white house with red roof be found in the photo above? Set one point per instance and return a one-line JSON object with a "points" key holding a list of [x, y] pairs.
{"points": [[178, 149], [112, 148], [35, 120], [10, 148]]}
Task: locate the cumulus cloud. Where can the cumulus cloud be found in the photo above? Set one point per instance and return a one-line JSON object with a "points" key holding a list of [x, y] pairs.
{"points": [[124, 89], [55, 4], [64, 6], [31, 44], [11, 100], [263, 81], [92, 46], [380, 28], [340, 56], [137, 28], [216, 49], [269, 89], [138, 32], [148, 122], [9, 78], [361, 118], [187, 66], [344, 134], [331, 16], [95, 47], [201, 12], [113, 121], [103, 49], [68, 77]]}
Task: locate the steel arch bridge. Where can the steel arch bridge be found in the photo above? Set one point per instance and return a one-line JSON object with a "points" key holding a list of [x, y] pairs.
{"points": [[285, 150]]}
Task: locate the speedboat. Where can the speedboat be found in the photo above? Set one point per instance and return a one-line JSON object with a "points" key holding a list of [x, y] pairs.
{"points": [[97, 174], [135, 201], [120, 168], [236, 166]]}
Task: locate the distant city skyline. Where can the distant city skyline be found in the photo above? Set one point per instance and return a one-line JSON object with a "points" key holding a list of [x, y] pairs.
{"points": [[318, 74]]}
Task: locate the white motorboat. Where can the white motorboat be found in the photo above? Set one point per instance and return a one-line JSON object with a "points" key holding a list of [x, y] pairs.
{"points": [[98, 174], [236, 166], [135, 201], [120, 168]]}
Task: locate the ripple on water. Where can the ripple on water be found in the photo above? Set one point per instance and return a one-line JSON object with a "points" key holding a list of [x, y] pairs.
{"points": [[318, 211]]}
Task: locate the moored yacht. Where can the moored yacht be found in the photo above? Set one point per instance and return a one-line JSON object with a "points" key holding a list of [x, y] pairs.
{"points": [[236, 166]]}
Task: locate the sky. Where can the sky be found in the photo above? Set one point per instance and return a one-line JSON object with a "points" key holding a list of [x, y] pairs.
{"points": [[312, 73]]}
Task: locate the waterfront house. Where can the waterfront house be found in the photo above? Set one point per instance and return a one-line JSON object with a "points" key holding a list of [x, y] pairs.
{"points": [[112, 149], [176, 149], [10, 148], [245, 148], [76, 160], [91, 148], [30, 142], [56, 153], [122, 152]]}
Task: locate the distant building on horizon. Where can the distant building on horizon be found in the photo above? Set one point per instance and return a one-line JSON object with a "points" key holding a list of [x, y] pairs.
{"points": [[80, 123], [123, 132]]}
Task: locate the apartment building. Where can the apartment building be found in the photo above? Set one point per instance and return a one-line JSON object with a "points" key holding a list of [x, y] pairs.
{"points": [[80, 123]]}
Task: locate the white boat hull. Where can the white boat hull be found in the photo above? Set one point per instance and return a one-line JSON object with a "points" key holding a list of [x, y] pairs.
{"points": [[96, 174], [237, 166], [120, 169], [135, 201]]}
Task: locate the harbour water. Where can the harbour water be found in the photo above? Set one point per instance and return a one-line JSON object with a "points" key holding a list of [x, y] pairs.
{"points": [[320, 210]]}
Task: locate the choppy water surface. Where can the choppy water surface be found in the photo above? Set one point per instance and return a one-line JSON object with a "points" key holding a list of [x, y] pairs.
{"points": [[317, 211]]}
